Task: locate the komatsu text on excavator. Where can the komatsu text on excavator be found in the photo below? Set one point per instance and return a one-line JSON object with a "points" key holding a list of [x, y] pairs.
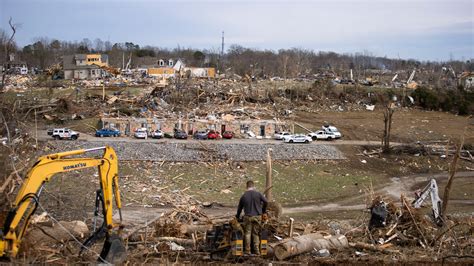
{"points": [[42, 171]]}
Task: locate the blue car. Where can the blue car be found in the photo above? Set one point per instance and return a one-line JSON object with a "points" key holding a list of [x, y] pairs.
{"points": [[107, 132]]}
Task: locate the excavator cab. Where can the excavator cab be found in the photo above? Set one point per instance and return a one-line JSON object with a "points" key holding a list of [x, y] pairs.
{"points": [[43, 170]]}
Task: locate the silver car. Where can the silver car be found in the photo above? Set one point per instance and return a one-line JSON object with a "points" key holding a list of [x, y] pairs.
{"points": [[281, 135], [141, 133], [157, 134]]}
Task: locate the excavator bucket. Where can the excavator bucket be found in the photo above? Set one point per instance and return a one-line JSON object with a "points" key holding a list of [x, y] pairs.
{"points": [[114, 251]]}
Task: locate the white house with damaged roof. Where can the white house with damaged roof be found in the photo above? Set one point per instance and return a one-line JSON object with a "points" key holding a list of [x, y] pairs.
{"points": [[172, 68], [466, 80], [85, 66]]}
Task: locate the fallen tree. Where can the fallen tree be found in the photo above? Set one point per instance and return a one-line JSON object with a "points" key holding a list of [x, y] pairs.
{"points": [[306, 243]]}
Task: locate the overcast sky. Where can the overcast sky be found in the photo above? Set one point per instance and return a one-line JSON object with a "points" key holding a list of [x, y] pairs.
{"points": [[420, 29]]}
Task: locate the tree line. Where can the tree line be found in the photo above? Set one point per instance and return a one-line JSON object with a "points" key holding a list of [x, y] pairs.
{"points": [[285, 63]]}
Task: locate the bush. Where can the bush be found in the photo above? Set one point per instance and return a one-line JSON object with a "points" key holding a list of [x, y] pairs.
{"points": [[447, 103], [461, 102], [463, 108], [426, 98]]}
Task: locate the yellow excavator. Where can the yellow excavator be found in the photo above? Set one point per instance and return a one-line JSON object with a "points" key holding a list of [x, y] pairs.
{"points": [[42, 171]]}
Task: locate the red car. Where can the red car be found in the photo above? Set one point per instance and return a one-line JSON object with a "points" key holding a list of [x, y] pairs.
{"points": [[228, 134], [213, 135]]}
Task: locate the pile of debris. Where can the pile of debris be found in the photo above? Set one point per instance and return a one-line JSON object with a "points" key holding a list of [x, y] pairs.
{"points": [[52, 241], [402, 230], [395, 229], [17, 83], [187, 232]]}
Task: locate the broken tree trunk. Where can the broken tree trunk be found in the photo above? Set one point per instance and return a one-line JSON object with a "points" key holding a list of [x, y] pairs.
{"points": [[306, 243], [180, 241], [387, 114], [274, 208], [268, 189], [452, 172], [188, 229], [292, 223]]}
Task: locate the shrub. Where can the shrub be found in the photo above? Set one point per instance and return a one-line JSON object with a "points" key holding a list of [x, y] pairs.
{"points": [[426, 98]]}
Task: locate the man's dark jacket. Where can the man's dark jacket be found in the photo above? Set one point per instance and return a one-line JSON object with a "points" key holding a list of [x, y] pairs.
{"points": [[253, 203]]}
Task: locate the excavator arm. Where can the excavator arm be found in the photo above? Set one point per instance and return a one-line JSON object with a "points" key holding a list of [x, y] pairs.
{"points": [[42, 171]]}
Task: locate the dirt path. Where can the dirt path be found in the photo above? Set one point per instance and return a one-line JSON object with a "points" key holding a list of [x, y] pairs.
{"points": [[139, 216], [398, 185], [407, 184]]}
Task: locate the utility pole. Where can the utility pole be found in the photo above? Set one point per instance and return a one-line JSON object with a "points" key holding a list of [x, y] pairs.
{"points": [[222, 52], [222, 49]]}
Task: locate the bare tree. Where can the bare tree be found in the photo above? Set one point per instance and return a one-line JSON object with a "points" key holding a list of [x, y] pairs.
{"points": [[98, 45], [107, 46], [389, 109], [284, 65], [8, 47]]}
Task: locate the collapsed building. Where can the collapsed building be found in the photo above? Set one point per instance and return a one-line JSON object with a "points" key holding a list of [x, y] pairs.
{"points": [[254, 127]]}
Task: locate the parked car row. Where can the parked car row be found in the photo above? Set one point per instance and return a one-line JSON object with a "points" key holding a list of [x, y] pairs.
{"points": [[143, 133], [326, 133]]}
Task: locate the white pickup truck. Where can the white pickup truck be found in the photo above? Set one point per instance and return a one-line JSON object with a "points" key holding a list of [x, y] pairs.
{"points": [[322, 134], [65, 133]]}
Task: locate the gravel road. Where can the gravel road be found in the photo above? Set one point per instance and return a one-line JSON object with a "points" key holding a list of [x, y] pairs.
{"points": [[206, 151]]}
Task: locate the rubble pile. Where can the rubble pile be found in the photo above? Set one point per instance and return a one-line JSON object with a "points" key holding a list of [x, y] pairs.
{"points": [[403, 231], [53, 241], [407, 234], [17, 83], [260, 99]]}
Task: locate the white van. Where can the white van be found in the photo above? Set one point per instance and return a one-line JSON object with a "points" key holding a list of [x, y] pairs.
{"points": [[334, 130]]}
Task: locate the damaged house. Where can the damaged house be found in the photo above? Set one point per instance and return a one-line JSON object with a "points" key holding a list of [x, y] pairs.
{"points": [[85, 66], [165, 68], [466, 80], [14, 66], [171, 68]]}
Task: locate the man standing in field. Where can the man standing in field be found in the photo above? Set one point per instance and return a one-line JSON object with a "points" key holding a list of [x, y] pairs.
{"points": [[254, 205]]}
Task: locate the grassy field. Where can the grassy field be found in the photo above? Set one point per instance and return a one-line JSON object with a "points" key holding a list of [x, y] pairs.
{"points": [[294, 183]]}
